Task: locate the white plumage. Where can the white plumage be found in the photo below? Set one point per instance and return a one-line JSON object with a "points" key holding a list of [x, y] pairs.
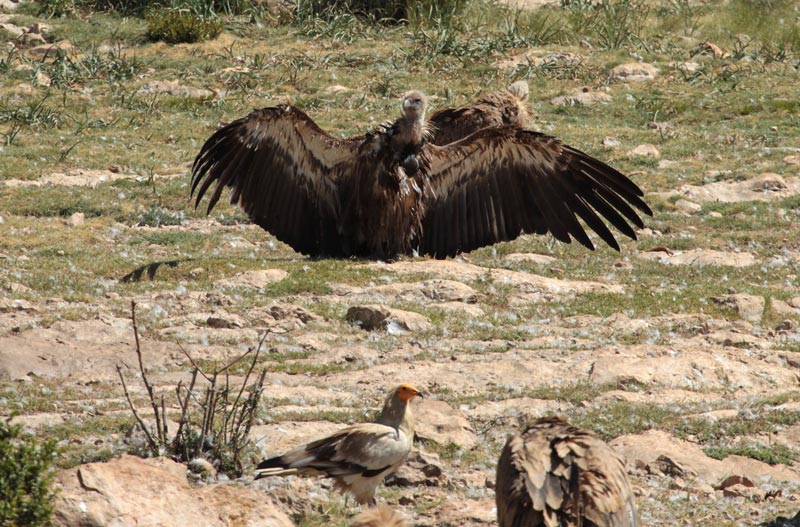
{"points": [[358, 457]]}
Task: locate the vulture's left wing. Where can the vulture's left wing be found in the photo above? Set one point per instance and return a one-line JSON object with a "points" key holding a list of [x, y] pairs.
{"points": [[500, 182], [284, 171]]}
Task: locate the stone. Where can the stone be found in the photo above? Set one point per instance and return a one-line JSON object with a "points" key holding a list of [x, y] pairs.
{"points": [[256, 279], [645, 150], [763, 187], [438, 421], [371, 317], [583, 96], [792, 160], [51, 51], [528, 282], [13, 30], [749, 307], [611, 142], [78, 177], [710, 49], [421, 469], [699, 257], [534, 59], [784, 309], [645, 448], [336, 88], [134, 491], [633, 71], [531, 258], [176, 89], [9, 5], [75, 220], [688, 206]]}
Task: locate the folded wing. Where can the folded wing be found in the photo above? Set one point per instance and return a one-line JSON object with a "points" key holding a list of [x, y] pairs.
{"points": [[500, 182], [556, 475], [367, 450], [284, 171]]}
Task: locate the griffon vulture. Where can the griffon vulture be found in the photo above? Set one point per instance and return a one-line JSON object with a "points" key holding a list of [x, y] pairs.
{"points": [[502, 108], [556, 475], [357, 457], [391, 192]]}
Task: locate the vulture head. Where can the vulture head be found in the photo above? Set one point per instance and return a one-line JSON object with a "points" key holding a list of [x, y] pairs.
{"points": [[414, 105]]}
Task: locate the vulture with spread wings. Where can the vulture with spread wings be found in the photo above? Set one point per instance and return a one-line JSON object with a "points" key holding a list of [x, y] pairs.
{"points": [[392, 191], [508, 107], [555, 475]]}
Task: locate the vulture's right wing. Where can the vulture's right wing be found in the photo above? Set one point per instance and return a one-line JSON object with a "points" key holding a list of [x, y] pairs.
{"points": [[284, 172], [499, 182]]}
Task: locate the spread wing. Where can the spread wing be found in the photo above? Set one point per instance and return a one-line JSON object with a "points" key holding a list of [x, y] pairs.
{"points": [[366, 449], [501, 182], [502, 108], [556, 475], [284, 172]]}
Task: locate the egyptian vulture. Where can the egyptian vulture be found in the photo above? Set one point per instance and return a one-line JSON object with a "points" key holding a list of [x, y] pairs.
{"points": [[357, 457], [556, 475], [503, 108], [392, 192]]}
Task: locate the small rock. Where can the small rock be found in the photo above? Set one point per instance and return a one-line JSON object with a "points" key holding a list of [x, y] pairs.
{"points": [[611, 142], [219, 323], [75, 220], [51, 51], [372, 317], [688, 206], [666, 465], [438, 421], [11, 29], [253, 279], [176, 89], [42, 79], [633, 71], [708, 48], [540, 259], [336, 88], [784, 309], [792, 160], [202, 467], [743, 491], [736, 480], [749, 307], [30, 40], [583, 96], [646, 150]]}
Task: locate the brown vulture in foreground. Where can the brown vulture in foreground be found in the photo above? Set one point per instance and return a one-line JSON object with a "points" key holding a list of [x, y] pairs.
{"points": [[504, 108], [392, 192], [556, 475]]}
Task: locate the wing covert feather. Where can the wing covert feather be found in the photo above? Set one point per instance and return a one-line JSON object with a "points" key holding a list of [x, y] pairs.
{"points": [[510, 181]]}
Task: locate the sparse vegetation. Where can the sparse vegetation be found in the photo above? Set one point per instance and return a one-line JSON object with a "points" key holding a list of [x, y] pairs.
{"points": [[121, 107], [177, 27], [25, 484]]}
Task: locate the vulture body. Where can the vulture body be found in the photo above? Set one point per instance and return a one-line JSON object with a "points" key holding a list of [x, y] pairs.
{"points": [[392, 191], [358, 457], [491, 110], [556, 475]]}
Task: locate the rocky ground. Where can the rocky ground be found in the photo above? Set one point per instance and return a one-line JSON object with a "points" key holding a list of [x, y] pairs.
{"points": [[683, 350]]}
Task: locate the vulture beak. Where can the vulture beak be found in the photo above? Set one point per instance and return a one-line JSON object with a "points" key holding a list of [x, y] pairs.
{"points": [[406, 392]]}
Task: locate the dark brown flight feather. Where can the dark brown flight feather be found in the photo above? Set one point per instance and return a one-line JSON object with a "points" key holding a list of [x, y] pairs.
{"points": [[392, 191], [556, 475]]}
